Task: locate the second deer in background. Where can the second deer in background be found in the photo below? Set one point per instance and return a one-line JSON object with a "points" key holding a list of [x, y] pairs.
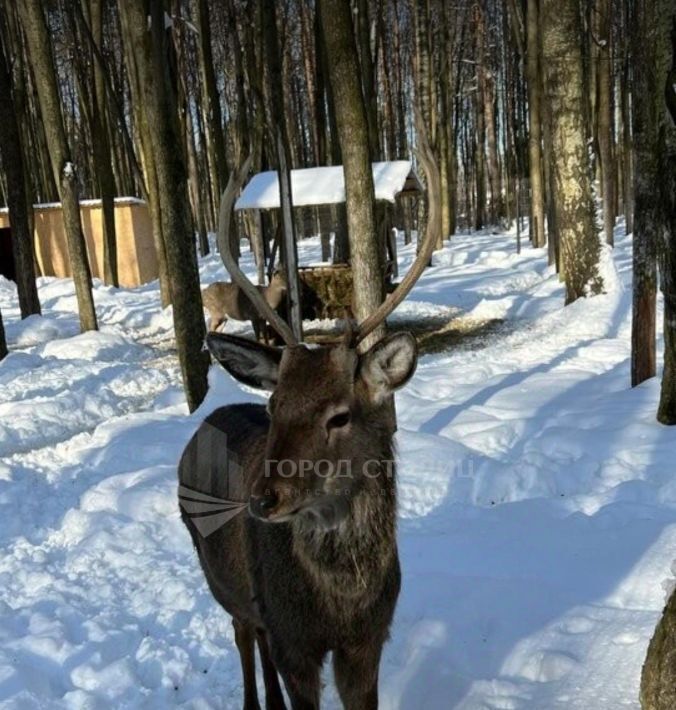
{"points": [[223, 300]]}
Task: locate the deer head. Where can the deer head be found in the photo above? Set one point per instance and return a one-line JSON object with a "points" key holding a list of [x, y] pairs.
{"points": [[330, 430], [278, 280]]}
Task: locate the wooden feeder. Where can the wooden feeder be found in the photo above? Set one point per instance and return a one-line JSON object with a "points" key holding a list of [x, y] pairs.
{"points": [[327, 288]]}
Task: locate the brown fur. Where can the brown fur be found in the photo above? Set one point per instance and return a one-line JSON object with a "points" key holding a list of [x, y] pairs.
{"points": [[321, 579], [223, 300]]}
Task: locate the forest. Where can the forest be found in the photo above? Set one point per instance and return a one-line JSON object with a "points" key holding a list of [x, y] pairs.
{"points": [[540, 225]]}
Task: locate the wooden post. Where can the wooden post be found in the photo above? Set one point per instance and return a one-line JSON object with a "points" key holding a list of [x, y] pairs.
{"points": [[392, 247], [289, 247]]}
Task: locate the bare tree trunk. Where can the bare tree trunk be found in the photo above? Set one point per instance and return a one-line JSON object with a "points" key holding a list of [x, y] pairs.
{"points": [[562, 59], [17, 201], [279, 130], [160, 115], [486, 96], [363, 32], [354, 142], [444, 176], [627, 152], [143, 140], [341, 244], [658, 680], [37, 36], [388, 114], [534, 83], [156, 218], [553, 243], [649, 217], [3, 339], [193, 180], [103, 154], [479, 164], [480, 215], [210, 101], [665, 100], [605, 120]]}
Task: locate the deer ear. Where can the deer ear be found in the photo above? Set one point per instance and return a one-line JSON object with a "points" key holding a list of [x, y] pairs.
{"points": [[388, 365], [247, 361]]}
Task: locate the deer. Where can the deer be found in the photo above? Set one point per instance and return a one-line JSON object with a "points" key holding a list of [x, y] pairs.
{"points": [[305, 557], [223, 300]]}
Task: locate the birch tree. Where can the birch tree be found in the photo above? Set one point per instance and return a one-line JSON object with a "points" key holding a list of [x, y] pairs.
{"points": [[574, 203]]}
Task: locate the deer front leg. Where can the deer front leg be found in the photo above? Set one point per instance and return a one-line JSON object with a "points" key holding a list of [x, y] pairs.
{"points": [[245, 639], [301, 676], [303, 689], [274, 700], [216, 324], [260, 328], [356, 674]]}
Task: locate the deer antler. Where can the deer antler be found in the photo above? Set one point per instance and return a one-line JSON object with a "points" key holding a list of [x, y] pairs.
{"points": [[428, 242], [251, 292]]}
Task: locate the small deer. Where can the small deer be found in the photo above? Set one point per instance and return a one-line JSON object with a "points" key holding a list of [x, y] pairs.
{"points": [[303, 554], [223, 300]]}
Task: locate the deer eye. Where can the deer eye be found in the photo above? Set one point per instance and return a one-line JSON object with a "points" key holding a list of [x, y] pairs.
{"points": [[339, 420]]}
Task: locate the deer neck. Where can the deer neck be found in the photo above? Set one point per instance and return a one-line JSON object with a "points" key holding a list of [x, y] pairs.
{"points": [[352, 560], [273, 295]]}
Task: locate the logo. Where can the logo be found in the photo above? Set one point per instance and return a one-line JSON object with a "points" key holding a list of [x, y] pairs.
{"points": [[211, 466], [207, 513]]}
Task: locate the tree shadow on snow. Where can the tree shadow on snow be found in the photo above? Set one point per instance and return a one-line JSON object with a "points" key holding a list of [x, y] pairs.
{"points": [[480, 580]]}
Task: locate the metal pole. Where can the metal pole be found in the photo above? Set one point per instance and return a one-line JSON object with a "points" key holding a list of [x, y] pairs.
{"points": [[289, 246]]}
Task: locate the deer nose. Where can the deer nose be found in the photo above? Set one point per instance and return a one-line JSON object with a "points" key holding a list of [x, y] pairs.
{"points": [[261, 506]]}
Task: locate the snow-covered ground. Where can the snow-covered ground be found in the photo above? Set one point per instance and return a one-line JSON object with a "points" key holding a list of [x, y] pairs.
{"points": [[537, 516]]}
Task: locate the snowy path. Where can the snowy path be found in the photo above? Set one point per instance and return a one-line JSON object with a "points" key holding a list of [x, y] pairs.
{"points": [[538, 504]]}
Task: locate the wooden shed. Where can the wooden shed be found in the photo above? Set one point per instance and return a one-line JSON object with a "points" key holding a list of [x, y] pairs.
{"points": [[327, 288], [136, 255], [326, 186]]}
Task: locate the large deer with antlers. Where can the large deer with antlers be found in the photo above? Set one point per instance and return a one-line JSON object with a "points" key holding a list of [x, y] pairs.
{"points": [[312, 568]]}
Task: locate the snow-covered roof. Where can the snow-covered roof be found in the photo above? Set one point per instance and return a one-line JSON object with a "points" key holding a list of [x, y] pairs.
{"points": [[119, 201], [325, 186]]}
